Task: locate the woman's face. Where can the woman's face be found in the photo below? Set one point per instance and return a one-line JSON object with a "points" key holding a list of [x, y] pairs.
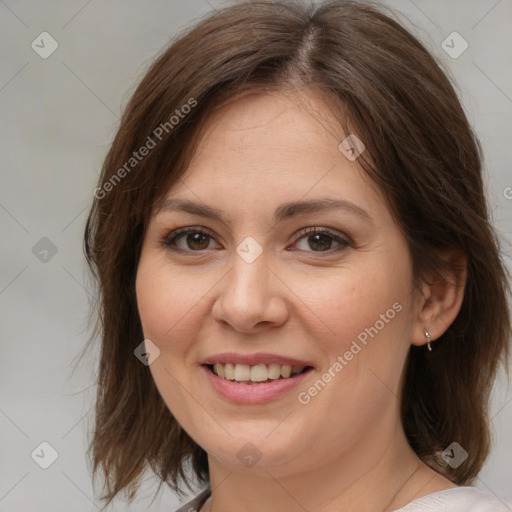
{"points": [[253, 285]]}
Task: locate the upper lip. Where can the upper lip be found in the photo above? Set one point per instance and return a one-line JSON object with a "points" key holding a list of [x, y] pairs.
{"points": [[254, 359]]}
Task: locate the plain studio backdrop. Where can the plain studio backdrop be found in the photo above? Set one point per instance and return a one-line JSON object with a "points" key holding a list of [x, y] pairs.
{"points": [[60, 103]]}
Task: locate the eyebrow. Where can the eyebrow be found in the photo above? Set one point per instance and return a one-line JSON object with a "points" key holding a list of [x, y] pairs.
{"points": [[282, 212]]}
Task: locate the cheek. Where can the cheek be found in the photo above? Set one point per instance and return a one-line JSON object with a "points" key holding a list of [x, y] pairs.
{"points": [[165, 298], [366, 311], [165, 302], [365, 301]]}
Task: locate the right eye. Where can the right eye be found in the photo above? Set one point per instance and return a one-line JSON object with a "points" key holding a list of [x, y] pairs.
{"points": [[196, 239]]}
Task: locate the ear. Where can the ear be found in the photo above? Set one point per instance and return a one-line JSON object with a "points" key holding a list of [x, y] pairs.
{"points": [[441, 300]]}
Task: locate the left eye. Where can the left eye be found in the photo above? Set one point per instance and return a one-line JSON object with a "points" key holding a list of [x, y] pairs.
{"points": [[198, 239], [322, 238]]}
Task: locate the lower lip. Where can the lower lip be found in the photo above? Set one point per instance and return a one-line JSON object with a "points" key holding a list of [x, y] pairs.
{"points": [[243, 393]]}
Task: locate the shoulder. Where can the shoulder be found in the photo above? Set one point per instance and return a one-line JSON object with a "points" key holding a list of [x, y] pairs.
{"points": [[458, 499], [195, 504]]}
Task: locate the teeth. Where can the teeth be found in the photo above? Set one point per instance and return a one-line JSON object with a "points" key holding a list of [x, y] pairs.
{"points": [[229, 371], [286, 371], [274, 371], [219, 370], [257, 373], [242, 372]]}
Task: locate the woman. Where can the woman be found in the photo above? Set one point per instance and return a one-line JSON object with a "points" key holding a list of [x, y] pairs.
{"points": [[303, 304]]}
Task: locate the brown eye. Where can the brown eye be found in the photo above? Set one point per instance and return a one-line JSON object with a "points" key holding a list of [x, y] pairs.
{"points": [[321, 240], [195, 240]]}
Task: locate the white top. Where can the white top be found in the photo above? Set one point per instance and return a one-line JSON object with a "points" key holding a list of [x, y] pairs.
{"points": [[456, 499]]}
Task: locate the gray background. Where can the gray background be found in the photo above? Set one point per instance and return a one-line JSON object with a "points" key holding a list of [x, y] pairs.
{"points": [[58, 117]]}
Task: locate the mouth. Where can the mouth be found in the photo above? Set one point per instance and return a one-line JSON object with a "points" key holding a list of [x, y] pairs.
{"points": [[256, 374]]}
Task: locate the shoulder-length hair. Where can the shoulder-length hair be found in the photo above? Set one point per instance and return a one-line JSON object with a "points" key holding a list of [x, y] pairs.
{"points": [[420, 151]]}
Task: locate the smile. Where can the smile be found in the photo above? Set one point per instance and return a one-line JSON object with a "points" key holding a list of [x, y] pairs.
{"points": [[233, 382], [255, 374]]}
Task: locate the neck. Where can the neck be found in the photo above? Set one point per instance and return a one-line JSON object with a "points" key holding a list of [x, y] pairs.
{"points": [[373, 476]]}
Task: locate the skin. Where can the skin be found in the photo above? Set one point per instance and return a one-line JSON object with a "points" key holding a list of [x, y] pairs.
{"points": [[255, 154]]}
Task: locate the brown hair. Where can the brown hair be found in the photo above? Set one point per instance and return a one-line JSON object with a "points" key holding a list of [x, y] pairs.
{"points": [[422, 154]]}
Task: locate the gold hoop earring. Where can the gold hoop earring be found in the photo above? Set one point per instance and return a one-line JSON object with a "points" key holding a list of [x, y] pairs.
{"points": [[427, 335]]}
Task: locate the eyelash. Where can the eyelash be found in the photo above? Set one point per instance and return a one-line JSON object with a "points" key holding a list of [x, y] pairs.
{"points": [[170, 239]]}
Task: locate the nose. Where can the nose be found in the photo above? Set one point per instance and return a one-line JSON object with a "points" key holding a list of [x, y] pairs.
{"points": [[250, 297]]}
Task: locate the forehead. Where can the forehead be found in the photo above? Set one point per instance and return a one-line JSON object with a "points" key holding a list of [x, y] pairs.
{"points": [[260, 149], [273, 123]]}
